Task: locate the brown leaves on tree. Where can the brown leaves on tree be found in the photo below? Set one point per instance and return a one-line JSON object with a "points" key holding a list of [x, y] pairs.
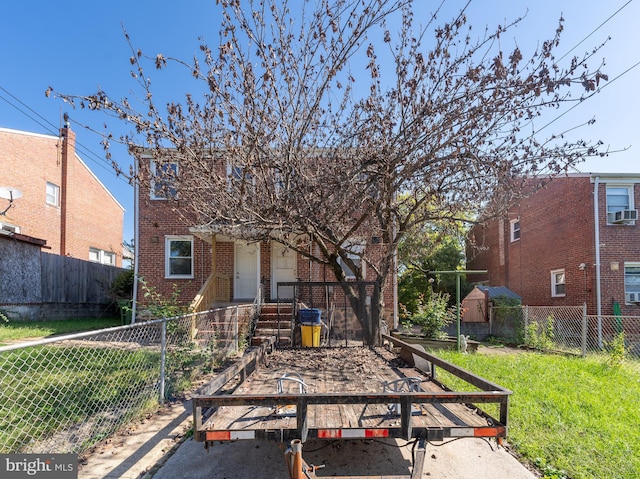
{"points": [[286, 135]]}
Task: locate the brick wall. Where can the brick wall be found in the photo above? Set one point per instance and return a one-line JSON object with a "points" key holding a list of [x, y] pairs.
{"points": [[159, 218], [558, 232], [157, 221], [93, 219], [618, 244]]}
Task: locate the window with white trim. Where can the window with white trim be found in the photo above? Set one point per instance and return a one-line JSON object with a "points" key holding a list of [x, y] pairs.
{"points": [[101, 256], [163, 179], [619, 198], [53, 194], [354, 250], [178, 261], [11, 228], [238, 176], [632, 282], [514, 226], [557, 283]]}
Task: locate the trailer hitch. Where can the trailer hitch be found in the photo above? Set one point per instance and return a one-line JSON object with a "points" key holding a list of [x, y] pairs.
{"points": [[296, 466]]}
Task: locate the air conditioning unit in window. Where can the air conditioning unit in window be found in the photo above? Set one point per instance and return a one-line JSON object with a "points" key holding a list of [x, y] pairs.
{"points": [[624, 216], [633, 297]]}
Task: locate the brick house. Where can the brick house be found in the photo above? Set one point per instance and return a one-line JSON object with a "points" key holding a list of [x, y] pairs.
{"points": [[173, 253], [62, 201], [575, 241]]}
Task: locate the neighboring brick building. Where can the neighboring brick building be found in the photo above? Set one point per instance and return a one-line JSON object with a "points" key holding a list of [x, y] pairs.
{"points": [[62, 201], [564, 245], [173, 253]]}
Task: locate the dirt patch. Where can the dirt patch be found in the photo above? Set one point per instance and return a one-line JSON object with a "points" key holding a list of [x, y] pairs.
{"points": [[504, 350]]}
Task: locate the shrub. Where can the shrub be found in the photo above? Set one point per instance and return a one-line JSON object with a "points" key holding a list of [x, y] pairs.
{"points": [[122, 285], [433, 315], [539, 335], [617, 350]]}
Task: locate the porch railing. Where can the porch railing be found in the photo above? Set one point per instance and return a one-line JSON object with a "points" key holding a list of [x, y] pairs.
{"points": [[215, 288]]}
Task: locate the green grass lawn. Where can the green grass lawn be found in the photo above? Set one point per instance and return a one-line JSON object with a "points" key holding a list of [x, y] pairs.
{"points": [[45, 390], [22, 330], [573, 417]]}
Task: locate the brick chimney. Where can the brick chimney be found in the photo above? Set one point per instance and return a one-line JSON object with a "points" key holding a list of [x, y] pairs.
{"points": [[68, 150]]}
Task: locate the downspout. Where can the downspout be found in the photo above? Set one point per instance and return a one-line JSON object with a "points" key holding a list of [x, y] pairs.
{"points": [[136, 241], [596, 221]]}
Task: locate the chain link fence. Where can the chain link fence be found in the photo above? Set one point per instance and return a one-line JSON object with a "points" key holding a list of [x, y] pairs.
{"points": [[65, 394], [569, 329]]}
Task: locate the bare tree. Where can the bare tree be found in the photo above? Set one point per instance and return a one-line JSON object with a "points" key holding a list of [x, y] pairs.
{"points": [[322, 124]]}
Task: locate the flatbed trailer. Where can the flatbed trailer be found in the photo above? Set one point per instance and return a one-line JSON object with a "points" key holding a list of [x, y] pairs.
{"points": [[295, 395]]}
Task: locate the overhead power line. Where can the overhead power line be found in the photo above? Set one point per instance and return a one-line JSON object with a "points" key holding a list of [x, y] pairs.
{"points": [[596, 29], [53, 130]]}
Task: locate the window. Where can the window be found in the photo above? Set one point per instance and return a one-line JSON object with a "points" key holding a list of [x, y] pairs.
{"points": [[179, 257], [557, 283], [632, 282], [9, 227], [100, 256], [163, 180], [53, 194], [239, 176], [515, 229], [355, 250], [619, 198]]}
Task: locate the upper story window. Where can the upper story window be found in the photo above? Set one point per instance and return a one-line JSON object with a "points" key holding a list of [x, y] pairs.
{"points": [[178, 257], [237, 175], [100, 256], [515, 229], [620, 207], [557, 283], [355, 250], [163, 179], [53, 194], [632, 282]]}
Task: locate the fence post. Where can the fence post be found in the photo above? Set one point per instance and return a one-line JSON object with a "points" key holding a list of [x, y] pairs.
{"points": [[236, 323], [236, 332], [490, 320], [163, 359], [585, 327]]}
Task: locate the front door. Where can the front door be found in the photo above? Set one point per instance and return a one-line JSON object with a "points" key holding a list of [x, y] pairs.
{"points": [[246, 271], [283, 269]]}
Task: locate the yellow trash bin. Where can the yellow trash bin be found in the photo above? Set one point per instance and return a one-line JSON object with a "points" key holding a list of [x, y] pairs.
{"points": [[310, 335]]}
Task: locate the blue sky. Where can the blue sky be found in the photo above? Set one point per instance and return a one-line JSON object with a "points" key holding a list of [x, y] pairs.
{"points": [[77, 46]]}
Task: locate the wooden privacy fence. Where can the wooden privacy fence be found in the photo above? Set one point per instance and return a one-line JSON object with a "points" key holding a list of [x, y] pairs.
{"points": [[72, 280], [50, 286]]}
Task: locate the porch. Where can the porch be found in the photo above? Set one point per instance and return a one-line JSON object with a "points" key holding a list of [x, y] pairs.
{"points": [[342, 318]]}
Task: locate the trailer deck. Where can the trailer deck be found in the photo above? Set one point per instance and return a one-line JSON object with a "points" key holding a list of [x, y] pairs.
{"points": [[333, 393]]}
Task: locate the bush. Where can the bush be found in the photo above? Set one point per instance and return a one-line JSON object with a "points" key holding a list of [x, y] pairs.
{"points": [[617, 350], [122, 286], [433, 315], [540, 335]]}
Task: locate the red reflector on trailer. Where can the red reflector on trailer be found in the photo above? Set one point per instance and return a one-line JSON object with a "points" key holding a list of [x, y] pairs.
{"points": [[329, 433], [377, 433], [485, 432], [218, 436]]}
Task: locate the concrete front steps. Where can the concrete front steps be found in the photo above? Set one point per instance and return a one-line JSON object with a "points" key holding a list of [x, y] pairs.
{"points": [[274, 320]]}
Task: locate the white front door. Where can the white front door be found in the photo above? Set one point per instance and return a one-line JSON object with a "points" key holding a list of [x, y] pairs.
{"points": [[247, 271], [283, 269]]}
